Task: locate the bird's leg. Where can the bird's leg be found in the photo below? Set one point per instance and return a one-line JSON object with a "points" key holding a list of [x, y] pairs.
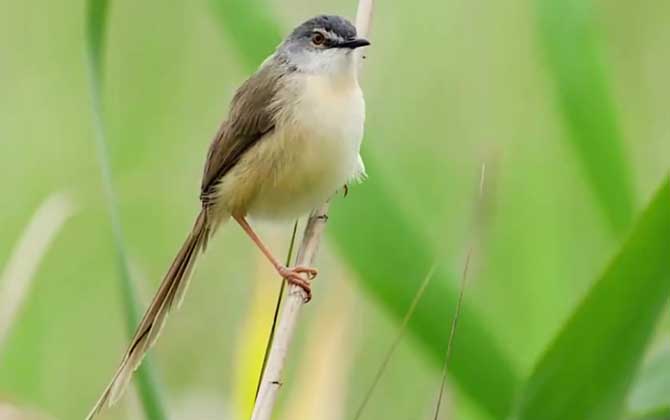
{"points": [[291, 274]]}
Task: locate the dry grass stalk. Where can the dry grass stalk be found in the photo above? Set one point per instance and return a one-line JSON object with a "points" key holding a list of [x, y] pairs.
{"points": [[22, 264], [323, 374], [396, 341], [459, 305], [295, 298]]}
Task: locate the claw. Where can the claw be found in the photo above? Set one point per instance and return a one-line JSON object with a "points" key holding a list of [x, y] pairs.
{"points": [[293, 276], [310, 271]]}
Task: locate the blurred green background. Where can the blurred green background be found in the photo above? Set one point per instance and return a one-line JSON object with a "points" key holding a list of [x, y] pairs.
{"points": [[565, 102]]}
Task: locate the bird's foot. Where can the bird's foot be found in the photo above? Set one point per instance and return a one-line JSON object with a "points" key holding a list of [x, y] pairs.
{"points": [[293, 275]]}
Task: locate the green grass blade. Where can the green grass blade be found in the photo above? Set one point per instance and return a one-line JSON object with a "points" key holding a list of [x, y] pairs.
{"points": [[95, 30], [650, 396], [22, 264], [661, 413], [389, 255], [574, 55], [253, 30], [587, 370]]}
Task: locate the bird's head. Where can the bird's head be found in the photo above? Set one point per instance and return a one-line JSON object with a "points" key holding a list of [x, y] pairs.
{"points": [[323, 44]]}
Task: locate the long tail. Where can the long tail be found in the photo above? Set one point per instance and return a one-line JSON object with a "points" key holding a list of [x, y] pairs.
{"points": [[170, 293]]}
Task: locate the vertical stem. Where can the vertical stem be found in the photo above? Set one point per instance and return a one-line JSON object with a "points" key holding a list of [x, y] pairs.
{"points": [[271, 382], [275, 317], [18, 274], [96, 24]]}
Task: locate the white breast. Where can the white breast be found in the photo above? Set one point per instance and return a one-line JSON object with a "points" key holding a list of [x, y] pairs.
{"points": [[315, 147]]}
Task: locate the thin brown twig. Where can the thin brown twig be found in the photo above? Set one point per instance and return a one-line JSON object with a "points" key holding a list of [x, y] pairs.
{"points": [[410, 313], [398, 338], [452, 333], [457, 311]]}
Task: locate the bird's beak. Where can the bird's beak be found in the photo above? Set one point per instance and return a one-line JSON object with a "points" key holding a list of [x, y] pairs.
{"points": [[354, 43]]}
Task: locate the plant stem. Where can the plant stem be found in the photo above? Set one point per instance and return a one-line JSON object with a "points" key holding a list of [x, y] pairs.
{"points": [[19, 272], [96, 23], [396, 341], [275, 317], [288, 321]]}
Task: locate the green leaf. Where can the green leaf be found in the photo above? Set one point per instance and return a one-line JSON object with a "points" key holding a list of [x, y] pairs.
{"points": [[661, 413], [96, 22], [390, 256], [587, 370], [253, 31], [650, 397], [574, 55]]}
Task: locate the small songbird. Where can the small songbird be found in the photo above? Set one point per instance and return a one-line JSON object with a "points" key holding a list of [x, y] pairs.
{"points": [[291, 140]]}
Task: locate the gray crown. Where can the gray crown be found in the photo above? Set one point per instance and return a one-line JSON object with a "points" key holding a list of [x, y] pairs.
{"points": [[335, 24]]}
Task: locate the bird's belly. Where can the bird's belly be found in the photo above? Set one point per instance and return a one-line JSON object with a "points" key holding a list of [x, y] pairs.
{"points": [[305, 177], [313, 157]]}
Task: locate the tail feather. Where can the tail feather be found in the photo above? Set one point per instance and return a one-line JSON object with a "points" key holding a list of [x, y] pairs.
{"points": [[201, 245], [171, 291]]}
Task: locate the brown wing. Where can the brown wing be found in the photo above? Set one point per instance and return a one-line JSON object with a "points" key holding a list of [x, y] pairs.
{"points": [[251, 117]]}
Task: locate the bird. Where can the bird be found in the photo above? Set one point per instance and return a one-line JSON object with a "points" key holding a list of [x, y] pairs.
{"points": [[291, 140]]}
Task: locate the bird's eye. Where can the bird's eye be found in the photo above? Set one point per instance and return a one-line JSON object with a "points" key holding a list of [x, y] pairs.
{"points": [[318, 38]]}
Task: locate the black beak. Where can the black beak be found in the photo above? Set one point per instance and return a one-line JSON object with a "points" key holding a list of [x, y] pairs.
{"points": [[354, 43]]}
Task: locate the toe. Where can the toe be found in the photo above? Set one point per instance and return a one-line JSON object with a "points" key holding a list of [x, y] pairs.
{"points": [[312, 272], [299, 281]]}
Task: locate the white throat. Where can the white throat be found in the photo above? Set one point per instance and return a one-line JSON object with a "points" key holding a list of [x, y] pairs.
{"points": [[335, 63]]}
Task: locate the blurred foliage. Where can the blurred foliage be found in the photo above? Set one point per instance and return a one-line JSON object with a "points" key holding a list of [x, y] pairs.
{"points": [[650, 398], [586, 371], [470, 84], [96, 24], [572, 45], [240, 21], [404, 255]]}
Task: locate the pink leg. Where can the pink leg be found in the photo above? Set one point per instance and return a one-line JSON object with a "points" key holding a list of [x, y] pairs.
{"points": [[292, 274]]}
